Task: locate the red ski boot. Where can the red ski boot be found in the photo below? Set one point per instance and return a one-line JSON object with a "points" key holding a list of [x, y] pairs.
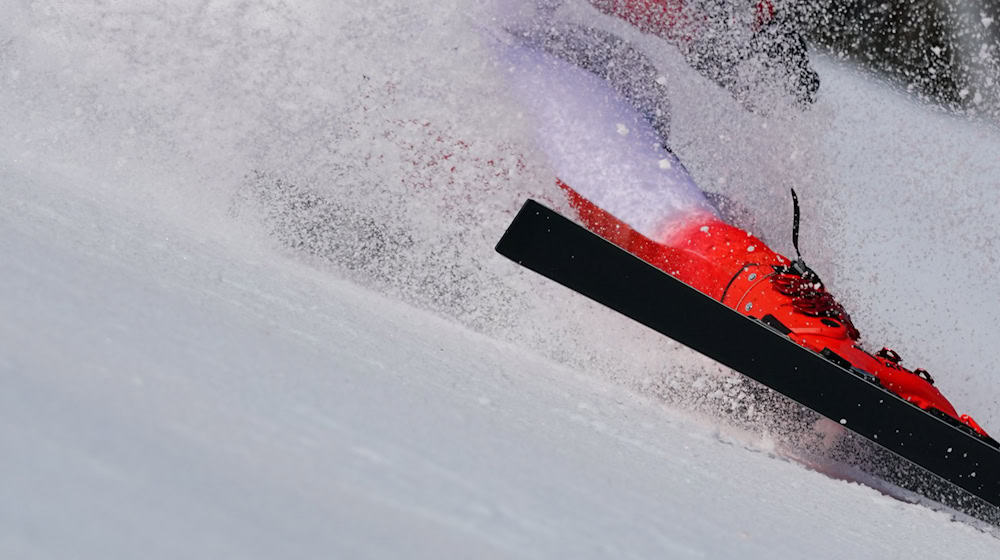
{"points": [[738, 269]]}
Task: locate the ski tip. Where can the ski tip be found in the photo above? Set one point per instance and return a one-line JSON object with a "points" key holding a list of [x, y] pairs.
{"points": [[512, 236]]}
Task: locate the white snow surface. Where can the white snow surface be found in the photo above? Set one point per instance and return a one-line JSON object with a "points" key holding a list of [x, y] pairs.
{"points": [[178, 379]]}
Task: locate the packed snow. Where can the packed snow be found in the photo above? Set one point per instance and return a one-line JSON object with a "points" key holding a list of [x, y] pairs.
{"points": [[251, 306]]}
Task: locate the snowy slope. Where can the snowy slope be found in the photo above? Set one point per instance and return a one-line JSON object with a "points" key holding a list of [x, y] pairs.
{"points": [[177, 381], [167, 396]]}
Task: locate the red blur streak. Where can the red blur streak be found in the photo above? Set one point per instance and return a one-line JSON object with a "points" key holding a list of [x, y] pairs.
{"points": [[765, 13], [665, 18]]}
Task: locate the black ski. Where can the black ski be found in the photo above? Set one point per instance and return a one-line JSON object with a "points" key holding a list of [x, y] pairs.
{"points": [[559, 249]]}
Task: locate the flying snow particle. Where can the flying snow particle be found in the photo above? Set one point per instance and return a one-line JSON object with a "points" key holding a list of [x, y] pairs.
{"points": [[622, 129]]}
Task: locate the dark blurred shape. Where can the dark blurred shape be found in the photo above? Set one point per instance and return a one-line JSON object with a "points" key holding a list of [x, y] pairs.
{"points": [[943, 50], [780, 43], [761, 60]]}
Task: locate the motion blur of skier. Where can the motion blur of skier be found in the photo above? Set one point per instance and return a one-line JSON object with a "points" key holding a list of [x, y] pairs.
{"points": [[750, 47], [602, 117]]}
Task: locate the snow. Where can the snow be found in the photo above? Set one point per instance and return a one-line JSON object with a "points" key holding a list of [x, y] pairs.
{"points": [[179, 382], [169, 396], [919, 207]]}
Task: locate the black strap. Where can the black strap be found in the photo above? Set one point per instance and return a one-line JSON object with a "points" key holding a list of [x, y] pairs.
{"points": [[799, 265], [795, 223]]}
